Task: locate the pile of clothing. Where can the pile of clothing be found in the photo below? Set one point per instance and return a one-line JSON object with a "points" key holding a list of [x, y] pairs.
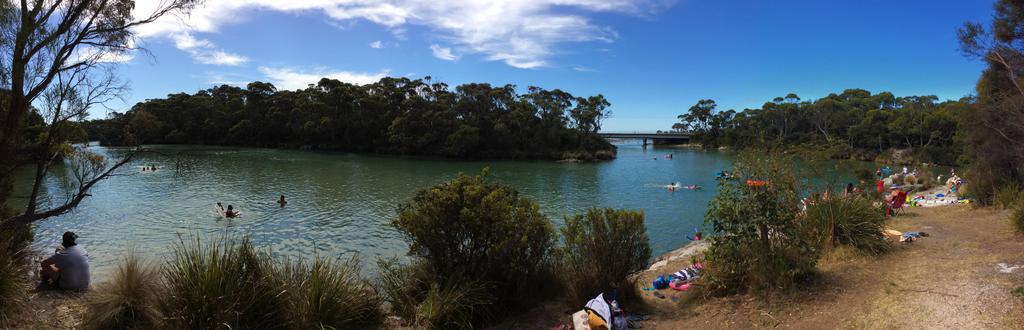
{"points": [[600, 313]]}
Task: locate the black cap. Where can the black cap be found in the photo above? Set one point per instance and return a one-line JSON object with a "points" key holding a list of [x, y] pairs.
{"points": [[69, 239]]}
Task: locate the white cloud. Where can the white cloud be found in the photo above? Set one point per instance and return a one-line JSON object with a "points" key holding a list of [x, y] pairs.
{"points": [[203, 51], [520, 33], [581, 68], [443, 53], [286, 78], [377, 44]]}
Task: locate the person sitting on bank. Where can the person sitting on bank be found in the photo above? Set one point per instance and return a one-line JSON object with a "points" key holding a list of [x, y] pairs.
{"points": [[282, 201], [68, 268]]}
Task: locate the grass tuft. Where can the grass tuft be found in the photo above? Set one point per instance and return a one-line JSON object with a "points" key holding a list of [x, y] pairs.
{"points": [[851, 222], [328, 294], [129, 301], [219, 284]]}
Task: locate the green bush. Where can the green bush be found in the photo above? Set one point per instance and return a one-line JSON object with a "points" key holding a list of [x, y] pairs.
{"points": [[14, 250], [1017, 217], [224, 283], [602, 248], [327, 294], [852, 221], [758, 246], [473, 231], [12, 286], [129, 301], [1007, 196]]}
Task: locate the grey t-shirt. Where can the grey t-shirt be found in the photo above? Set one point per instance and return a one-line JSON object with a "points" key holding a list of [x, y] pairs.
{"points": [[73, 263]]}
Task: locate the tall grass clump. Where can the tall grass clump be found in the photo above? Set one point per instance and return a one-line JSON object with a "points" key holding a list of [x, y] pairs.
{"points": [[602, 248], [758, 247], [13, 272], [426, 301], [850, 221], [1007, 196], [129, 301], [476, 241], [12, 286], [218, 284], [327, 293], [1017, 217]]}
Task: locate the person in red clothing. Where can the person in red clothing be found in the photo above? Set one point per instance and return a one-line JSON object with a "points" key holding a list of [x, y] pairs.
{"points": [[881, 186]]}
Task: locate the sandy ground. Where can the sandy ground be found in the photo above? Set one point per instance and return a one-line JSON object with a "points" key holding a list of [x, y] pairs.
{"points": [[960, 277]]}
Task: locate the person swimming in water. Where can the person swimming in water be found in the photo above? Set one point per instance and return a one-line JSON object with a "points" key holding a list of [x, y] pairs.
{"points": [[231, 213], [282, 201], [672, 186]]}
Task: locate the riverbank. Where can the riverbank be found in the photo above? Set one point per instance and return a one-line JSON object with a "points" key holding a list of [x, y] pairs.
{"points": [[961, 276]]}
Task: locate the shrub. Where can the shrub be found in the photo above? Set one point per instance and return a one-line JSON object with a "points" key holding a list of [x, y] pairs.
{"points": [[128, 301], [219, 284], [1017, 217], [1007, 196], [852, 221], [757, 246], [12, 286], [473, 231], [327, 294], [425, 301], [602, 248], [14, 249]]}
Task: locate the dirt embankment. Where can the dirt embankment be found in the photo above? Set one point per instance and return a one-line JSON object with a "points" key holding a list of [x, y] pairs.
{"points": [[959, 277]]}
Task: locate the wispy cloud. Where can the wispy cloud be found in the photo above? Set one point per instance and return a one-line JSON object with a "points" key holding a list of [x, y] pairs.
{"points": [[581, 68], [203, 51], [522, 34], [377, 44], [287, 78], [443, 53]]}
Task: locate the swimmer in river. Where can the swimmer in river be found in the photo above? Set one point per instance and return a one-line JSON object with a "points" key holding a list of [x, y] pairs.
{"points": [[282, 201], [693, 187], [230, 213]]}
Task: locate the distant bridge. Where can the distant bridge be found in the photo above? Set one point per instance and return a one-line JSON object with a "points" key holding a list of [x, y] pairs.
{"points": [[656, 137]]}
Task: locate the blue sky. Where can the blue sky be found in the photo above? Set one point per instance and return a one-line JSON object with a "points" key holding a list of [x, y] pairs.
{"points": [[652, 59]]}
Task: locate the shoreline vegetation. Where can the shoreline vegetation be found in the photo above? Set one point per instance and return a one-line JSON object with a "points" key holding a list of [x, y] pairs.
{"points": [[854, 124], [391, 116]]}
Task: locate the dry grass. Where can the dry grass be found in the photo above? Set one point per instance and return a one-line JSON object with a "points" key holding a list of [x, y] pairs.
{"points": [[128, 301]]}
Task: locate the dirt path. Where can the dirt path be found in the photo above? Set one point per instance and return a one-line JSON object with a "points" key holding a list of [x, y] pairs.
{"points": [[949, 280]]}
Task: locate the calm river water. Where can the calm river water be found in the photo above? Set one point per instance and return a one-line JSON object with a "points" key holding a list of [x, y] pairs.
{"points": [[341, 203]]}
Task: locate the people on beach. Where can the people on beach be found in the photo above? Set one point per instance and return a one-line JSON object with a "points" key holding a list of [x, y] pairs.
{"points": [[282, 201], [67, 268]]}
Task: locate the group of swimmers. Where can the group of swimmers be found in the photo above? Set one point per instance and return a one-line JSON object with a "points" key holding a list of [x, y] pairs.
{"points": [[230, 212], [149, 168], [668, 156], [673, 186]]}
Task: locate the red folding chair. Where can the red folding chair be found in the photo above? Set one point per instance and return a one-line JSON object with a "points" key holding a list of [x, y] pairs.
{"points": [[896, 206]]}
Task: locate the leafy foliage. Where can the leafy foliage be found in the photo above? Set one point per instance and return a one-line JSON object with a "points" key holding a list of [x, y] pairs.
{"points": [[1017, 217], [129, 301], [852, 124], [602, 248], [758, 246], [393, 115], [991, 131], [1007, 196], [468, 231], [851, 221]]}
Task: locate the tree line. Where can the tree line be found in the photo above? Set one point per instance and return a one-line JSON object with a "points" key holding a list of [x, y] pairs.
{"points": [[393, 115], [852, 124]]}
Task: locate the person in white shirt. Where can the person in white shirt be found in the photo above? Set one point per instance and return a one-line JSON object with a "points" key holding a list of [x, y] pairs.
{"points": [[68, 268]]}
